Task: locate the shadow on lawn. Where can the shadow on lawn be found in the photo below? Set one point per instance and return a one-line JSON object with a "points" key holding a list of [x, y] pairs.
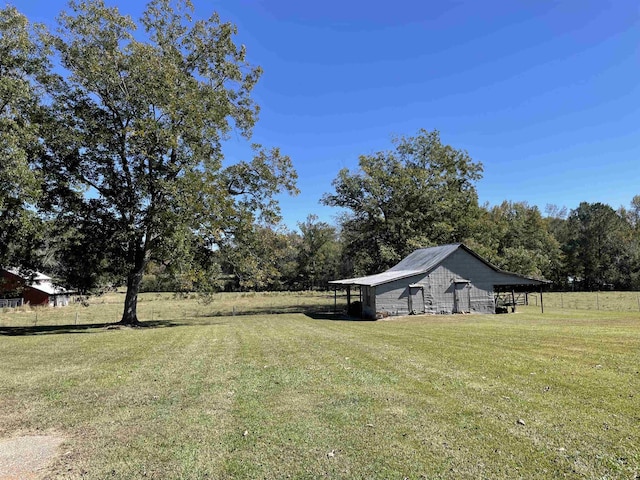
{"points": [[265, 310], [82, 328], [312, 312], [336, 317]]}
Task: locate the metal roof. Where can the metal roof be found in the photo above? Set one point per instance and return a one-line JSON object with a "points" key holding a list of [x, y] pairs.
{"points": [[39, 281], [420, 262]]}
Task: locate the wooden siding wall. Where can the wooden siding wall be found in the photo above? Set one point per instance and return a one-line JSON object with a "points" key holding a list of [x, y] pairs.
{"points": [[439, 287]]}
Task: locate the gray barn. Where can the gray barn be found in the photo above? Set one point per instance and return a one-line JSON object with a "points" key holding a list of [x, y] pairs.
{"points": [[446, 279]]}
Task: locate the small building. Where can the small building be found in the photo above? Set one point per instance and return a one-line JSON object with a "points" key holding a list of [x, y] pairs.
{"points": [[17, 288], [439, 280]]}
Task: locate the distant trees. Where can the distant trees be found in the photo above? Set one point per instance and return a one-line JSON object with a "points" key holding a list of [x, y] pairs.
{"points": [[319, 258], [264, 258], [260, 258], [420, 193], [598, 248], [515, 237]]}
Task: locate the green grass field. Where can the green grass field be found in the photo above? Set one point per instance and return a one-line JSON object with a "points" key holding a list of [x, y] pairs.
{"points": [[204, 394]]}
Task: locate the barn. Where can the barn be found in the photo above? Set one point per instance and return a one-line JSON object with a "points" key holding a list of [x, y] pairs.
{"points": [[36, 289], [439, 280]]}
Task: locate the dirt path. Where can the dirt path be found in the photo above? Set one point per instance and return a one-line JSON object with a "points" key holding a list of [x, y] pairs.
{"points": [[23, 458]]}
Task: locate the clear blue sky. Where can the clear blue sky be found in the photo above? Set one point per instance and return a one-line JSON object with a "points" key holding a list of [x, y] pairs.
{"points": [[545, 93]]}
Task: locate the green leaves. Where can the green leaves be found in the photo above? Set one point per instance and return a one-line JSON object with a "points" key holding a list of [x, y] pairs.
{"points": [[23, 74], [419, 194], [136, 126]]}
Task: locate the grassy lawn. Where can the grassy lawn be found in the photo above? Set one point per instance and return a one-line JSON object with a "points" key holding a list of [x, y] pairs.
{"points": [[260, 395]]}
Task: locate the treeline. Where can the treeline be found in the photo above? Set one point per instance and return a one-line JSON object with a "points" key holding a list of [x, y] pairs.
{"points": [[592, 247], [112, 174]]}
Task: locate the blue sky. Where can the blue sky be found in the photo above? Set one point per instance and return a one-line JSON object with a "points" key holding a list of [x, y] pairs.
{"points": [[545, 93]]}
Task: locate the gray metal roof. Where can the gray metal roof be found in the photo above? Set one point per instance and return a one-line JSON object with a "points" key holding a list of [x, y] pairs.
{"points": [[425, 259], [418, 262], [422, 261]]}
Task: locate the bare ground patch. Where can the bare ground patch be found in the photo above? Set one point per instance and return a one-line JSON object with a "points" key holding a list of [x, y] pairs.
{"points": [[25, 457]]}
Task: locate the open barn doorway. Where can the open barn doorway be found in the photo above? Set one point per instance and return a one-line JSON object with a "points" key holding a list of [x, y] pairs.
{"points": [[462, 297], [416, 299]]}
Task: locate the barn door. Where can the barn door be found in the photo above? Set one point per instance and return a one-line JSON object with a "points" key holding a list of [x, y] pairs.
{"points": [[462, 298], [416, 299]]}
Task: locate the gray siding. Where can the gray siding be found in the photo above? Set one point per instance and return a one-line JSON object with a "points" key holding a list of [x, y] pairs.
{"points": [[393, 297], [439, 287], [479, 290]]}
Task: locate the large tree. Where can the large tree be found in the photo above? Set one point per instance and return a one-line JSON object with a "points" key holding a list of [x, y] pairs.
{"points": [[598, 247], [23, 71], [419, 194], [136, 127]]}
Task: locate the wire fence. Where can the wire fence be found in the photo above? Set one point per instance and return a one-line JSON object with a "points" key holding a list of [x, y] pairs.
{"points": [[180, 308], [606, 301]]}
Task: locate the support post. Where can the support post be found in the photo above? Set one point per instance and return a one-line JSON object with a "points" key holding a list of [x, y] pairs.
{"points": [[541, 302], [513, 300]]}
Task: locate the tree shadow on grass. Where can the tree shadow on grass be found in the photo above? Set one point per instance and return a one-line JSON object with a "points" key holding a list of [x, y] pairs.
{"points": [[264, 310], [315, 312], [9, 331], [336, 317]]}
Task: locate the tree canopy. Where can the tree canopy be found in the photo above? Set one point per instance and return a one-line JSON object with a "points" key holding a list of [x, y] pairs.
{"points": [[515, 237], [421, 193], [23, 69], [135, 130], [598, 248]]}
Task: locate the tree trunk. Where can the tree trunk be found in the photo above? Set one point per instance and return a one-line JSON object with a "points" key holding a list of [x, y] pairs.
{"points": [[130, 314]]}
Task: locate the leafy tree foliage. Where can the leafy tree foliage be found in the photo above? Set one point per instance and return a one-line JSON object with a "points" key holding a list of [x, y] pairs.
{"points": [[319, 257], [23, 71], [597, 247], [135, 130], [261, 258], [421, 193], [515, 237]]}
